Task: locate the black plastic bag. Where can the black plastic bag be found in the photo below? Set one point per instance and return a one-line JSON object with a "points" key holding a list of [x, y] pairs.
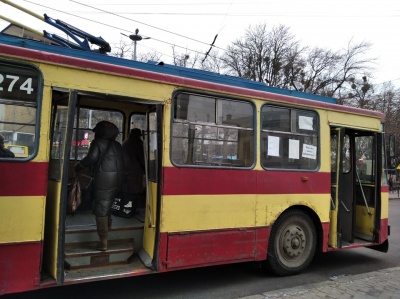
{"points": [[122, 208]]}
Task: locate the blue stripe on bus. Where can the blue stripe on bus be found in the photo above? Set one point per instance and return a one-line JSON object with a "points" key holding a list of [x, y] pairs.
{"points": [[164, 68]]}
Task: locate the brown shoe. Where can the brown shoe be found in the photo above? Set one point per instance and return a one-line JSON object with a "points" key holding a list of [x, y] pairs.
{"points": [[102, 245], [102, 230]]}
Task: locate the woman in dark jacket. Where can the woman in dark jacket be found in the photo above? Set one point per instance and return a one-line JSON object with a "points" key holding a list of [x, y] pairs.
{"points": [[108, 175], [134, 161]]}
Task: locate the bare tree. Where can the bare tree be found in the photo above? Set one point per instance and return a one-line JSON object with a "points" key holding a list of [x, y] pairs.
{"points": [[387, 101], [332, 73], [275, 57], [122, 49], [212, 62], [152, 56], [263, 55], [360, 95]]}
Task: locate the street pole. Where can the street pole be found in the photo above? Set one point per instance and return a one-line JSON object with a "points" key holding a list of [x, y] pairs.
{"points": [[136, 38]]}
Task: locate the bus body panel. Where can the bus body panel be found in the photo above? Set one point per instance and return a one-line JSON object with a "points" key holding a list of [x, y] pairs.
{"points": [[20, 265], [194, 216]]}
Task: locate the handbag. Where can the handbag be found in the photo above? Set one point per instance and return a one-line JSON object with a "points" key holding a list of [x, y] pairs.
{"points": [[74, 197]]}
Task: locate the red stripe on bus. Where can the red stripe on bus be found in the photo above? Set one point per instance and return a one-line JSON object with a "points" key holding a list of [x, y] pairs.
{"points": [[23, 179], [159, 77], [191, 181], [206, 248], [20, 267], [384, 230]]}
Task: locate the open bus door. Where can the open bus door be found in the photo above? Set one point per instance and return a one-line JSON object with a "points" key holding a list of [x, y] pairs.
{"points": [[63, 106], [153, 161], [355, 187], [336, 186]]}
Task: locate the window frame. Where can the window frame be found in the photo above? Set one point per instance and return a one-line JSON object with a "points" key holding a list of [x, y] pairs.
{"points": [[215, 124], [36, 104], [291, 133]]}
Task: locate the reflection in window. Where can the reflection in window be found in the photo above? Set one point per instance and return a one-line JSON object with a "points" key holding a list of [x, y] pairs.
{"points": [[212, 132], [152, 146], [88, 118], [138, 121], [289, 138], [20, 88], [365, 155], [346, 154]]}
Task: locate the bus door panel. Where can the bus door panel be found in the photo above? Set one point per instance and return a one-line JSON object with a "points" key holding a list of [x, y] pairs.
{"points": [[368, 185], [153, 155], [341, 189], [346, 192], [61, 126], [336, 169]]}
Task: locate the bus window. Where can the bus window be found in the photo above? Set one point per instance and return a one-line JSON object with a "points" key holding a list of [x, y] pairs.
{"points": [[19, 90], [138, 121], [289, 138], [19, 151], [88, 118], [212, 132], [365, 155]]}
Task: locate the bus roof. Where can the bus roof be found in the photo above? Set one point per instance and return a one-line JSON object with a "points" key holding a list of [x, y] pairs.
{"points": [[161, 68]]}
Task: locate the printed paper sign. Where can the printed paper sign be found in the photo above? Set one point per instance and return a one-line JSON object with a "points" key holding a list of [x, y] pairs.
{"points": [[294, 149], [309, 151], [306, 123], [273, 146]]}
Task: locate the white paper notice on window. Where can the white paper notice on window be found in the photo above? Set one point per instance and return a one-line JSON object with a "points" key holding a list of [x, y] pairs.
{"points": [[273, 146], [294, 149], [309, 151], [306, 123]]}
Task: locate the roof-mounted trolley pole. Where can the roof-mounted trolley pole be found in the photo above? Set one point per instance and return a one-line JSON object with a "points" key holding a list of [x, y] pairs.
{"points": [[81, 38]]}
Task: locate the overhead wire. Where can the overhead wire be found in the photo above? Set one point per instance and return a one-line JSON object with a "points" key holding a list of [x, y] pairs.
{"points": [[119, 28], [151, 26], [123, 29]]}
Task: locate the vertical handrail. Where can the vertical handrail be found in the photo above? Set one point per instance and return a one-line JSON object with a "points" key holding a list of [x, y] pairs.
{"points": [[362, 191], [148, 206]]}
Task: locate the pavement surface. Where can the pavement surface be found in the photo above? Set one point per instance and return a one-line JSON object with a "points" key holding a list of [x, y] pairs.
{"points": [[383, 283]]}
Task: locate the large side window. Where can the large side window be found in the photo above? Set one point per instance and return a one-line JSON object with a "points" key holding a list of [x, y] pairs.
{"points": [[20, 88], [289, 138], [83, 135], [211, 131], [138, 120]]}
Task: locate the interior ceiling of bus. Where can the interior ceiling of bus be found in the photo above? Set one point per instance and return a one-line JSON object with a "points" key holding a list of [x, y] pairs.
{"points": [[100, 100]]}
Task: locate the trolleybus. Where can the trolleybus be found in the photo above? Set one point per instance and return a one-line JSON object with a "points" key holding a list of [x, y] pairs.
{"points": [[236, 171]]}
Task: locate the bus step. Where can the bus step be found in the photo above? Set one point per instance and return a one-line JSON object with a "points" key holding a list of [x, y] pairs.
{"points": [[84, 255], [114, 233]]}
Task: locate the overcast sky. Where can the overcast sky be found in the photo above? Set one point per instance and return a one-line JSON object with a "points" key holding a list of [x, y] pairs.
{"points": [[193, 24]]}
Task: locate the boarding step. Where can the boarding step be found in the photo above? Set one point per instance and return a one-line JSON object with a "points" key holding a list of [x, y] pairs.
{"points": [[89, 234], [84, 254]]}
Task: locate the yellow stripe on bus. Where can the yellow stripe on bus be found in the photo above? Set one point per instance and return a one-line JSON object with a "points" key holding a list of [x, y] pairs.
{"points": [[206, 212], [22, 218], [384, 205]]}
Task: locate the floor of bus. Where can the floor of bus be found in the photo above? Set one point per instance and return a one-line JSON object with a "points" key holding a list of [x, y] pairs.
{"points": [[83, 220]]}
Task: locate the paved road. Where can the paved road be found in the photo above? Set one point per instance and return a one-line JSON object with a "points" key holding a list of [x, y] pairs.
{"points": [[378, 284]]}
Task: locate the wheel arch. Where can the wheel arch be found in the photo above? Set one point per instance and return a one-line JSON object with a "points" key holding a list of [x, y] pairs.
{"points": [[288, 258], [315, 219]]}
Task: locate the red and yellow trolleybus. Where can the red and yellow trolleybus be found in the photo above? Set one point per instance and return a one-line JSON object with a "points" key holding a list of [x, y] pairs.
{"points": [[236, 171]]}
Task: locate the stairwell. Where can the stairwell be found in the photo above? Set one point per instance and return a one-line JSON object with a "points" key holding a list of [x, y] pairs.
{"points": [[125, 239]]}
